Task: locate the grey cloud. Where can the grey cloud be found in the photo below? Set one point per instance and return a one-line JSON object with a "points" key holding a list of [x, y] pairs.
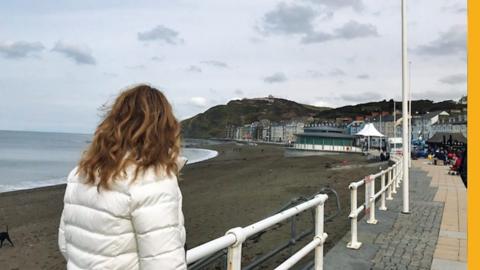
{"points": [[20, 49], [450, 42], [157, 59], [79, 54], [455, 8], [289, 19], [349, 30], [109, 74], [277, 77], [317, 37], [215, 63], [356, 5], [351, 59], [256, 40], [454, 79], [353, 29], [193, 68], [161, 33], [299, 20], [239, 92], [363, 76], [337, 72], [136, 67], [438, 96], [314, 73], [361, 97]]}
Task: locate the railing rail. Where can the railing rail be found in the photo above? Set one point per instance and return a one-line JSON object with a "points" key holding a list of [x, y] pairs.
{"points": [[393, 176], [235, 237]]}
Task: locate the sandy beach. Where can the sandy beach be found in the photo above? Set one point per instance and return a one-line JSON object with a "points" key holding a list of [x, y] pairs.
{"points": [[242, 185]]}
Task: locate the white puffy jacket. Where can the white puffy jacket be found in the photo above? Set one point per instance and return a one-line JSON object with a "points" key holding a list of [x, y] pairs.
{"points": [[135, 225]]}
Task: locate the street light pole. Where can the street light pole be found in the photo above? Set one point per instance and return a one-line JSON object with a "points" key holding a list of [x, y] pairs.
{"points": [[410, 137], [394, 120], [405, 116]]}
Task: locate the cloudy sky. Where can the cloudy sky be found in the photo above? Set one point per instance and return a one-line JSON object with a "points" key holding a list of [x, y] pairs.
{"points": [[61, 60]]}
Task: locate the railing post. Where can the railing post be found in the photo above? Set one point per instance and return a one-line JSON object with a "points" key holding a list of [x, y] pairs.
{"points": [[395, 180], [391, 183], [234, 255], [353, 244], [383, 207], [371, 201], [319, 233], [400, 174]]}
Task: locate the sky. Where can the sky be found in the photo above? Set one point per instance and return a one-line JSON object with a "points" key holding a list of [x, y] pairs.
{"points": [[61, 61]]}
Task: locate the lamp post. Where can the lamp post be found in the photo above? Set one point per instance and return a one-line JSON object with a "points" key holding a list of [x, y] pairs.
{"points": [[405, 116], [394, 120], [410, 137]]}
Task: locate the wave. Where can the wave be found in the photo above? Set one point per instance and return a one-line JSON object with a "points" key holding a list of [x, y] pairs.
{"points": [[32, 184], [193, 155]]}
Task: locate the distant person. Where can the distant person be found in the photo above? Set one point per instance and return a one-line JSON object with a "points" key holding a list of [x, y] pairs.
{"points": [[463, 168], [123, 206]]}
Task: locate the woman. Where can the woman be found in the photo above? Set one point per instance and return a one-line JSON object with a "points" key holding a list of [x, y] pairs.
{"points": [[123, 207]]}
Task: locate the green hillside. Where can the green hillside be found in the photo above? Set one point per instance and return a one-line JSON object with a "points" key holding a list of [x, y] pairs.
{"points": [[212, 122]]}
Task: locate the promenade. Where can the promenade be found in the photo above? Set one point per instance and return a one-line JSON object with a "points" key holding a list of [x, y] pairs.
{"points": [[432, 236]]}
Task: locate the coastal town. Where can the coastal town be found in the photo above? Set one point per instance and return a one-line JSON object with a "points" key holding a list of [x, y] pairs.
{"points": [[424, 126], [239, 135]]}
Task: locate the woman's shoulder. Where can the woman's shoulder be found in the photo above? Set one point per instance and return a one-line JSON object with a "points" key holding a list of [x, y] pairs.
{"points": [[73, 175], [152, 179]]}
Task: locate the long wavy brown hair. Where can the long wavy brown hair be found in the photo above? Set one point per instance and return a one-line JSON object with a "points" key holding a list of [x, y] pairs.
{"points": [[138, 129]]}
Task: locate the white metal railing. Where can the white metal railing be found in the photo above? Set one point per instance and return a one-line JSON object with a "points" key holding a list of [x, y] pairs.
{"points": [[394, 175], [235, 237], [333, 148]]}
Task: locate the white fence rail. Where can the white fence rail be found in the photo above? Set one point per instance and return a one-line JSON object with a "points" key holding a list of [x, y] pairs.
{"points": [[235, 237], [390, 181], [332, 148]]}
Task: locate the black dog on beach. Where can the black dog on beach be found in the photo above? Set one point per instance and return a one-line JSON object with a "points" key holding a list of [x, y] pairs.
{"points": [[5, 236]]}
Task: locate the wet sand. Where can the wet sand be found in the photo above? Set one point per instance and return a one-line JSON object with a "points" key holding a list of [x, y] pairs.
{"points": [[241, 186]]}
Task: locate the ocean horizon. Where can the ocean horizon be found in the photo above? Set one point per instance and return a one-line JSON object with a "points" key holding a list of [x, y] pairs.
{"points": [[30, 159]]}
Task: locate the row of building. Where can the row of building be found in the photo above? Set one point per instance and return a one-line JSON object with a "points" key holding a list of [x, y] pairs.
{"points": [[424, 126], [265, 130]]}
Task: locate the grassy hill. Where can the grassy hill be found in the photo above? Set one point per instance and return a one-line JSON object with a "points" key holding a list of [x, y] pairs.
{"points": [[421, 106], [212, 122]]}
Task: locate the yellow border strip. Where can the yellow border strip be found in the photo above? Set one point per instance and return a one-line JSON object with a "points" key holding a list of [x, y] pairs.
{"points": [[473, 235]]}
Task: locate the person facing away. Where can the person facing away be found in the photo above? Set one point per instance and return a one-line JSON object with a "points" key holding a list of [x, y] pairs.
{"points": [[122, 204]]}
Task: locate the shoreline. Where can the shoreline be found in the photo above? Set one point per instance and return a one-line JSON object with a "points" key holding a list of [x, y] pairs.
{"points": [[207, 154], [240, 186]]}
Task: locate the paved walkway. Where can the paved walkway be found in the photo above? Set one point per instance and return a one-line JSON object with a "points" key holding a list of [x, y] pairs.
{"points": [[431, 237], [451, 249]]}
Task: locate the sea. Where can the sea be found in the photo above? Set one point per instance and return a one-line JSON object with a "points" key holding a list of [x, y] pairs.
{"points": [[38, 159]]}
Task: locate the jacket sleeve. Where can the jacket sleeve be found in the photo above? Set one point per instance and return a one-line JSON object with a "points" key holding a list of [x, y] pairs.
{"points": [[158, 225], [62, 243]]}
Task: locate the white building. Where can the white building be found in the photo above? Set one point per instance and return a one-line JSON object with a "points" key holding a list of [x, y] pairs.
{"points": [[452, 124], [422, 125], [291, 129], [277, 133]]}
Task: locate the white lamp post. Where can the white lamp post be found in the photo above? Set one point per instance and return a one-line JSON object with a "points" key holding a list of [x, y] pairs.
{"points": [[405, 116], [410, 137]]}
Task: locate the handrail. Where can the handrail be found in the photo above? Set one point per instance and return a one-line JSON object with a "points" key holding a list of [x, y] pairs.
{"points": [[394, 175], [235, 237]]}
